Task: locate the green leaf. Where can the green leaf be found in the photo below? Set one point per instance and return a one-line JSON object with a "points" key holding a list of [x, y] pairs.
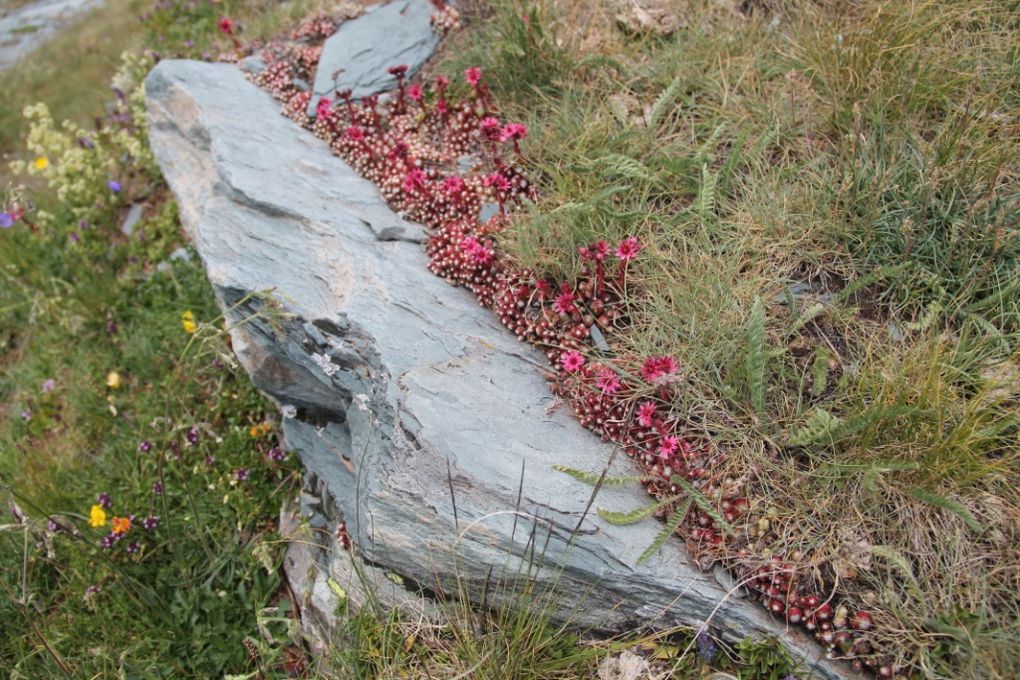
{"points": [[902, 565], [703, 503], [623, 518], [931, 498], [594, 479], [664, 102], [676, 518]]}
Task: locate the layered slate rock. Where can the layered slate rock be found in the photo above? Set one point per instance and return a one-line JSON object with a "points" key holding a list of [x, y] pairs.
{"points": [[422, 424], [357, 55]]}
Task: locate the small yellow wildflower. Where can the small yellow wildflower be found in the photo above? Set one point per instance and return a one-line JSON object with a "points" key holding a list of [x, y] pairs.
{"points": [[97, 517], [42, 162], [188, 321], [121, 525], [259, 429], [113, 380]]}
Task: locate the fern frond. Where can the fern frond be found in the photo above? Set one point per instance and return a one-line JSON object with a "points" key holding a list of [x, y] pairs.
{"points": [[704, 203], [594, 479], [618, 165], [703, 503], [676, 518], [622, 518], [664, 101], [932, 498]]}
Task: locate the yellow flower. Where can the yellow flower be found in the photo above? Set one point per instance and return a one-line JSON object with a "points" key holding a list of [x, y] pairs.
{"points": [[97, 517], [259, 429], [42, 162], [121, 525], [113, 380], [188, 321]]}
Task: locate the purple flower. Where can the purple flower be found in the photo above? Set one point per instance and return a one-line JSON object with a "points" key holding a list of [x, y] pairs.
{"points": [[86, 143], [275, 454], [111, 327], [192, 436], [49, 385], [114, 185], [706, 646], [73, 237], [104, 500], [53, 527], [26, 415], [150, 523], [210, 460], [6, 220], [241, 474], [145, 446], [133, 547], [108, 541], [157, 488], [91, 590]]}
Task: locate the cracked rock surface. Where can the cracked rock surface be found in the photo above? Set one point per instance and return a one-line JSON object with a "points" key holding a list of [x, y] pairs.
{"points": [[421, 422]]}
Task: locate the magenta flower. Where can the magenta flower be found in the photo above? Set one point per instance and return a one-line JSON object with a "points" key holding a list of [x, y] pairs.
{"points": [[415, 92], [241, 474], [597, 251], [564, 303], [49, 385], [473, 75], [668, 446], [398, 71], [628, 248], [355, 133], [414, 181], [497, 181], [490, 128], [323, 108], [608, 381], [572, 361], [453, 184], [656, 368], [515, 131], [646, 413]]}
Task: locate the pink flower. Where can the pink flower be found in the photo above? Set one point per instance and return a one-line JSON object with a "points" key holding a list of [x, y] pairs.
{"points": [[226, 26], [453, 184], [572, 361], [354, 133], [646, 413], [564, 303], [513, 131], [323, 107], [656, 368], [414, 181], [668, 446], [441, 106], [608, 381], [415, 92], [398, 71], [477, 252], [628, 248], [473, 75], [497, 181], [442, 82], [490, 128]]}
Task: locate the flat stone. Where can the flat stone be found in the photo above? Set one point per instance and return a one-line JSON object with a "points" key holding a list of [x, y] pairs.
{"points": [[421, 423], [357, 55], [134, 214]]}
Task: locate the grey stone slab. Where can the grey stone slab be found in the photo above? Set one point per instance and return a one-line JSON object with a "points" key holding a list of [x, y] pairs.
{"points": [[420, 421], [357, 55]]}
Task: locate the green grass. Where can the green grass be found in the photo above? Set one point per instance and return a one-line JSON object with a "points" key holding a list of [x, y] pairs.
{"points": [[828, 195]]}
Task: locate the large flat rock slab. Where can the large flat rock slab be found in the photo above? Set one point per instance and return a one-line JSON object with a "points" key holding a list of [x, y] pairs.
{"points": [[422, 423], [357, 55]]}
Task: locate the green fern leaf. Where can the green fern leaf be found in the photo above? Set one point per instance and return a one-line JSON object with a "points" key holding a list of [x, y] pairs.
{"points": [[618, 165], [702, 502], [704, 204], [931, 498], [816, 429], [664, 102], [594, 479], [623, 518], [676, 518]]}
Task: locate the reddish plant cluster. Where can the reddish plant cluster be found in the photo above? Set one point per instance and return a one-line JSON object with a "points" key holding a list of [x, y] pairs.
{"points": [[442, 159]]}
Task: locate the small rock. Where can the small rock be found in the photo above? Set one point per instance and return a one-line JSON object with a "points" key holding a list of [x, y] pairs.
{"points": [[131, 219], [488, 211], [626, 666], [253, 65], [658, 17]]}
